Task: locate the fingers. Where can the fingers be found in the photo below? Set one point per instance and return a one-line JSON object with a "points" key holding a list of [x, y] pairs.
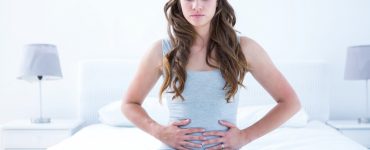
{"points": [[185, 145], [183, 139], [216, 140], [214, 133], [212, 141], [190, 144], [193, 130], [227, 124], [181, 122], [218, 147], [190, 137], [181, 148]]}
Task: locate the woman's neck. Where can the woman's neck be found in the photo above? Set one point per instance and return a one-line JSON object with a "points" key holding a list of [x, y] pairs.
{"points": [[202, 36]]}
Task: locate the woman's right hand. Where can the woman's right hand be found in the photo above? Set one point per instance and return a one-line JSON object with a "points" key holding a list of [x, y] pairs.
{"points": [[179, 138]]}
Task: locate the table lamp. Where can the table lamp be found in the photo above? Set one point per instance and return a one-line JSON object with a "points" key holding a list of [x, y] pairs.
{"points": [[40, 62], [358, 68]]}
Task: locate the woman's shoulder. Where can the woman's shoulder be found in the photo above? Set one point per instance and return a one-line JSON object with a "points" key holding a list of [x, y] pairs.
{"points": [[159, 48], [160, 45], [246, 41], [249, 44], [154, 52], [253, 52], [156, 46]]}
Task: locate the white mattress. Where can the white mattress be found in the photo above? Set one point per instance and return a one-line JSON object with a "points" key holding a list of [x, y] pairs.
{"points": [[315, 136]]}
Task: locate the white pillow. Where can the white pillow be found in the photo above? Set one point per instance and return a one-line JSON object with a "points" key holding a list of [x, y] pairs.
{"points": [[111, 113], [248, 115]]}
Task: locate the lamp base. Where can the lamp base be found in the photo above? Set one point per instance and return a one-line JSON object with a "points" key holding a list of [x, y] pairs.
{"points": [[363, 120], [40, 120]]}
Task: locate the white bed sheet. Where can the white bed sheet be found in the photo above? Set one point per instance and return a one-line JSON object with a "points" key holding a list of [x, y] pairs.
{"points": [[315, 136]]}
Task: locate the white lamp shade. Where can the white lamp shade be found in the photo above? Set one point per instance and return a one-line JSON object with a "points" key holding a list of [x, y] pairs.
{"points": [[358, 63], [40, 60]]}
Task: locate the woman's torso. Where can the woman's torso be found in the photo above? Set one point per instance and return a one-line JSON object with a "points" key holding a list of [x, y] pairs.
{"points": [[204, 101]]}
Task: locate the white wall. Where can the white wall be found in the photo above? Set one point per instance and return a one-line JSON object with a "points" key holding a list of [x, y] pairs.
{"points": [[313, 29], [287, 29]]}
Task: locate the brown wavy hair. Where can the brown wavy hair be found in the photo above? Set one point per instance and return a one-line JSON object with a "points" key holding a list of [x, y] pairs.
{"points": [[223, 41]]}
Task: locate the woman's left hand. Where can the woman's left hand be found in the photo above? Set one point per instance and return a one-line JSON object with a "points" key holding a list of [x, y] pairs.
{"points": [[229, 140]]}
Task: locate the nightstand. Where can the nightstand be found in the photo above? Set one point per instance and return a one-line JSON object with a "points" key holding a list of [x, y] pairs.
{"points": [[24, 135], [354, 130]]}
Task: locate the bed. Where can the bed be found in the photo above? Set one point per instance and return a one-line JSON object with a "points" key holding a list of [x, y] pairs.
{"points": [[102, 82]]}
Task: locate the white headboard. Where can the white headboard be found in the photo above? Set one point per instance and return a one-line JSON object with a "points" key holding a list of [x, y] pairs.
{"points": [[308, 79], [103, 81]]}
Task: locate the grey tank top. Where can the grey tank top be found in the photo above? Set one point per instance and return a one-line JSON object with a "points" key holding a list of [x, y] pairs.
{"points": [[204, 101]]}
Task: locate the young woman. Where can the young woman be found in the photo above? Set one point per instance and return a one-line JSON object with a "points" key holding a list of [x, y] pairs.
{"points": [[203, 64]]}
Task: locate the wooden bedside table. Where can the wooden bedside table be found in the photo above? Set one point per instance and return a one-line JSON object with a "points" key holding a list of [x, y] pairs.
{"points": [[354, 130], [24, 135]]}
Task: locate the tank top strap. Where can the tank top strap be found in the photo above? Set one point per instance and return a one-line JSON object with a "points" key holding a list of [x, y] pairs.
{"points": [[238, 37], [166, 46]]}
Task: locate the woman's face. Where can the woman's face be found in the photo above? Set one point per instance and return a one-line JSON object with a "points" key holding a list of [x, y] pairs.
{"points": [[198, 12]]}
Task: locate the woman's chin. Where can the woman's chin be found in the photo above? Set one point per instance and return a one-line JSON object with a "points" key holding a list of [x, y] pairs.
{"points": [[198, 24]]}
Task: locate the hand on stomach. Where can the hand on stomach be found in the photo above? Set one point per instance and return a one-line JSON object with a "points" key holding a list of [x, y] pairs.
{"points": [[180, 138]]}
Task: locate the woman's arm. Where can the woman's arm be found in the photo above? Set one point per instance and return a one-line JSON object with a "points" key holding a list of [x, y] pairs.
{"points": [[146, 76], [265, 72]]}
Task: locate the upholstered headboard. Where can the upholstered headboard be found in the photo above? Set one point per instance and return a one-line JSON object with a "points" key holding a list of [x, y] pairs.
{"points": [[104, 81]]}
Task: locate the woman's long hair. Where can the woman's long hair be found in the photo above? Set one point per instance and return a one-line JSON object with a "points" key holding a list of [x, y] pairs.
{"points": [[223, 40]]}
